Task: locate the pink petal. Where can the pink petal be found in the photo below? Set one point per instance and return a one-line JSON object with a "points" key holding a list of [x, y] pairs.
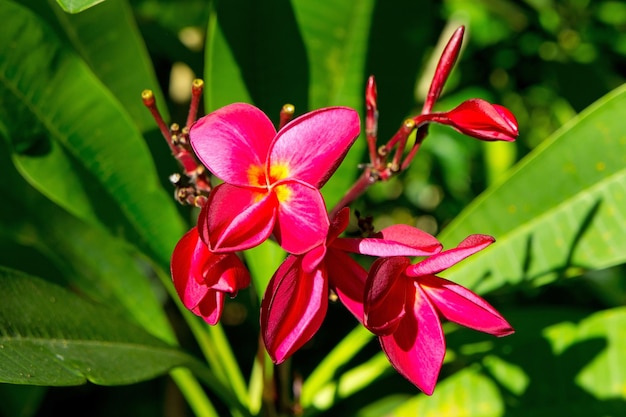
{"points": [[187, 268], [210, 309], [236, 218], [444, 260], [385, 294], [230, 273], [314, 144], [302, 222], [417, 348], [293, 308], [483, 120], [347, 278], [397, 240], [231, 140], [462, 306], [338, 224]]}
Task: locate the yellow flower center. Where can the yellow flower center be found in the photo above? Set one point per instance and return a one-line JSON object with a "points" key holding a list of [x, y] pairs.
{"points": [[258, 178]]}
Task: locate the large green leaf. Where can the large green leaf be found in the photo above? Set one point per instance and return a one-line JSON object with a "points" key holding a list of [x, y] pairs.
{"points": [[101, 266], [50, 336], [107, 38], [562, 207], [76, 6], [335, 34], [72, 137]]}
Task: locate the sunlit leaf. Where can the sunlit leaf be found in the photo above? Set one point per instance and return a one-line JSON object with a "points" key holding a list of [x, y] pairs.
{"points": [[49, 336], [559, 211], [108, 40], [77, 6], [335, 34], [70, 135], [103, 267]]}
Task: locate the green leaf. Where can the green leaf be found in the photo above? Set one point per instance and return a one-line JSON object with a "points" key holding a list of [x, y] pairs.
{"points": [[335, 34], [559, 211], [59, 117], [77, 6], [101, 266], [108, 40], [49, 336]]}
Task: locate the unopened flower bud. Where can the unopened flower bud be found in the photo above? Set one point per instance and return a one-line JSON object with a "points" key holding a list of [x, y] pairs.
{"points": [[482, 120]]}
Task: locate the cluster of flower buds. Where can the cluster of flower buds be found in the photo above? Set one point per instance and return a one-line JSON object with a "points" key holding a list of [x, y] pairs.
{"points": [[270, 189]]}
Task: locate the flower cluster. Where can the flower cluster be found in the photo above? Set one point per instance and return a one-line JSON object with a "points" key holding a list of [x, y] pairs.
{"points": [[270, 189]]}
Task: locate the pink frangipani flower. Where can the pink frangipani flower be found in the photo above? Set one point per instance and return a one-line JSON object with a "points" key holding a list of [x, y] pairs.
{"points": [[404, 303], [203, 278], [296, 298], [271, 180]]}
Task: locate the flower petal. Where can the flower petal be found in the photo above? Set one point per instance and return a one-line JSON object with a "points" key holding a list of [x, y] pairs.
{"points": [[236, 218], [397, 240], [444, 260], [347, 278], [314, 144], [483, 120], [187, 268], [230, 273], [293, 308], [462, 306], [230, 140], [302, 220], [417, 348], [210, 309], [385, 294]]}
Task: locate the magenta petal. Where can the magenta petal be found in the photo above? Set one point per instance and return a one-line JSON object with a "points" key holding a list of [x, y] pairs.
{"points": [[236, 218], [385, 294], [444, 260], [231, 274], [302, 219], [347, 278], [483, 120], [187, 268], [314, 144], [338, 224], [293, 308], [231, 140], [417, 348], [210, 309], [462, 306], [397, 240]]}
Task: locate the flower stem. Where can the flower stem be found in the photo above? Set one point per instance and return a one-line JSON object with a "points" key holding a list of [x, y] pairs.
{"points": [[361, 185]]}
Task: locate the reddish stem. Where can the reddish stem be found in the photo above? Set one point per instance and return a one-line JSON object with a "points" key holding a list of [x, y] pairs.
{"points": [[196, 93]]}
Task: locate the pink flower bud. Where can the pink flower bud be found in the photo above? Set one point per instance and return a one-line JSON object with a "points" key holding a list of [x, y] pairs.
{"points": [[482, 120]]}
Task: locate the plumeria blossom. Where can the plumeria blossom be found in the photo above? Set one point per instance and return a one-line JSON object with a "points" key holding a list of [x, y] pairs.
{"points": [[271, 180], [404, 303], [296, 298], [202, 278]]}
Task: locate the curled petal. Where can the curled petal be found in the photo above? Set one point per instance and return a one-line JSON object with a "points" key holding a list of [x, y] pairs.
{"points": [[416, 350], [483, 120], [347, 278], [338, 224], [444, 260], [236, 218], [232, 139], [397, 240], [230, 273], [385, 294], [462, 306], [210, 309], [187, 267], [302, 222], [293, 308], [314, 144]]}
